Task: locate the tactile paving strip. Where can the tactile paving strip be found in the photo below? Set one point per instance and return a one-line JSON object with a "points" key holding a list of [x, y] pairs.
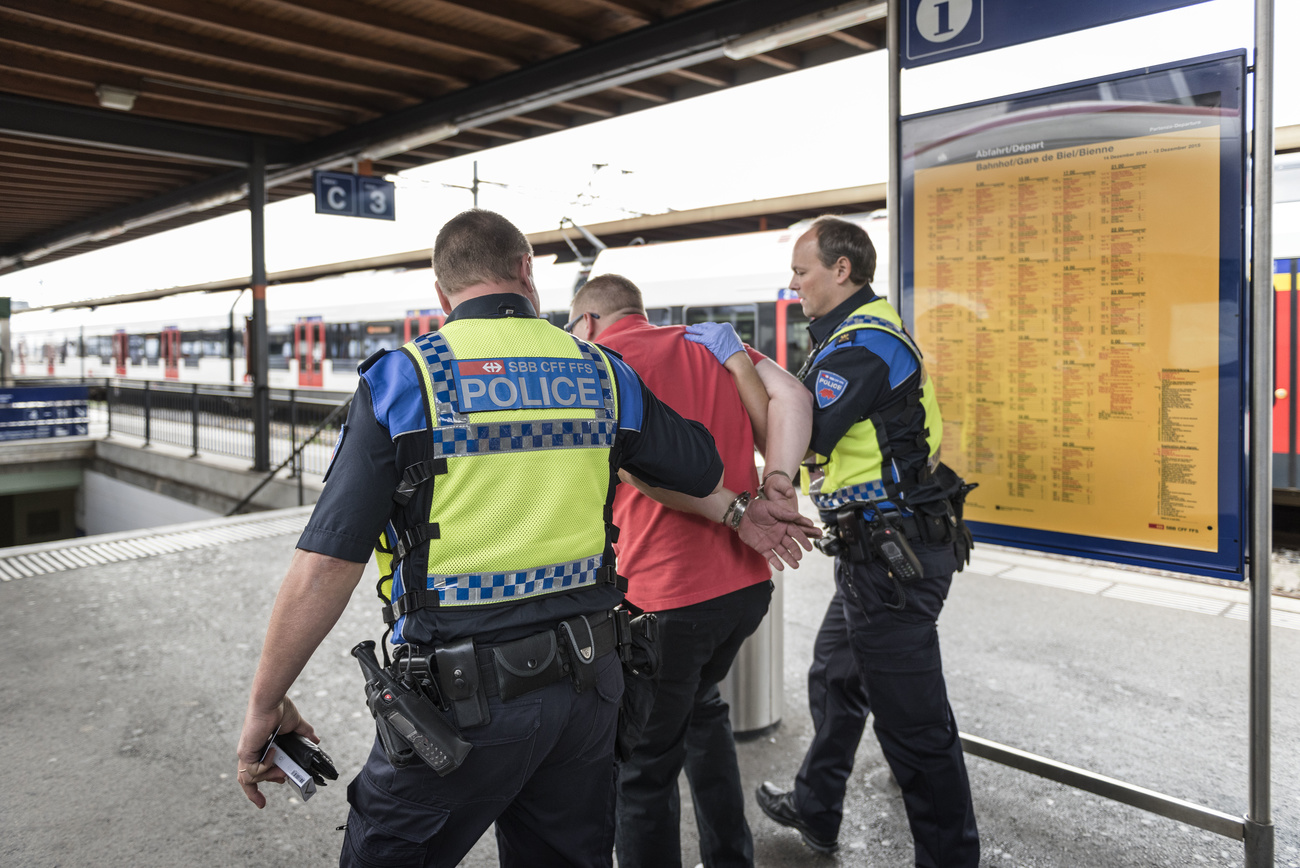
{"points": [[29, 561]]}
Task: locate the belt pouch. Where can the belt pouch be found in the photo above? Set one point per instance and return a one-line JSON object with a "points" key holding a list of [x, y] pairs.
{"points": [[853, 534], [526, 664], [581, 649], [458, 679]]}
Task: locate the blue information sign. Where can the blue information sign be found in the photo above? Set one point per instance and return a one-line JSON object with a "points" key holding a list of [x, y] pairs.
{"points": [[43, 412], [349, 195], [937, 30]]}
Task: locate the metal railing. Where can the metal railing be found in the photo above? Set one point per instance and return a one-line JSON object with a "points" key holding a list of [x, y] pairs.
{"points": [[218, 419]]}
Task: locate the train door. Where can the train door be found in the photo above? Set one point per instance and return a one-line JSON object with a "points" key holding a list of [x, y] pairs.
{"points": [[420, 321], [1286, 300], [170, 350], [309, 344], [121, 349], [792, 341]]}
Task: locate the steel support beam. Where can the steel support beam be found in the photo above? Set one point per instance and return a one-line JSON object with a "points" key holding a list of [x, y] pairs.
{"points": [[1259, 818], [118, 131], [258, 352]]}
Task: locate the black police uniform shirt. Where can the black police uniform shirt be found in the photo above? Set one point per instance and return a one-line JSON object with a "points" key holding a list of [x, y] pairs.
{"points": [[666, 451], [876, 378]]}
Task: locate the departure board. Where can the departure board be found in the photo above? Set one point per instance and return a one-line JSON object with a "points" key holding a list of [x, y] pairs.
{"points": [[1079, 313]]}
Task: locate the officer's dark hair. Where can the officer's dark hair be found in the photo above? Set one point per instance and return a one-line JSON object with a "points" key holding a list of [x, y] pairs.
{"points": [[477, 246], [836, 238], [607, 293]]}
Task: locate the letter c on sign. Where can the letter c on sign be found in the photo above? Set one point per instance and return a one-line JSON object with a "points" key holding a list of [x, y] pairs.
{"points": [[337, 198]]}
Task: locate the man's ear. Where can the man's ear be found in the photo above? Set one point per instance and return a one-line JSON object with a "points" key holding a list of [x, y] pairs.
{"points": [[843, 269], [442, 297]]}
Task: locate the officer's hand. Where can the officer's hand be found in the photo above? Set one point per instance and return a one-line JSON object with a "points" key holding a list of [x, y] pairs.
{"points": [[776, 532], [719, 338], [258, 726]]}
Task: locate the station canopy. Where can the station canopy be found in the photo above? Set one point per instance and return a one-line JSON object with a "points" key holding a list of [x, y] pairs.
{"points": [[122, 118]]}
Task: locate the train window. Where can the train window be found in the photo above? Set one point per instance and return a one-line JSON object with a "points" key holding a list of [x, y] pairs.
{"points": [[344, 344], [380, 336], [152, 344], [660, 316], [744, 317], [279, 348], [797, 341]]}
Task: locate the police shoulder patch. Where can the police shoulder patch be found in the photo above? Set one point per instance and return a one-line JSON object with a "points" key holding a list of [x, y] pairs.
{"points": [[829, 388]]}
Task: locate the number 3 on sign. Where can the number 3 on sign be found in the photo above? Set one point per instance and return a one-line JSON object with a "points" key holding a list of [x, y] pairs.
{"points": [[378, 202], [941, 20]]}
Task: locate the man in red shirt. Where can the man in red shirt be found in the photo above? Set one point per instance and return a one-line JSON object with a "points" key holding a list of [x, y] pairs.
{"points": [[709, 588]]}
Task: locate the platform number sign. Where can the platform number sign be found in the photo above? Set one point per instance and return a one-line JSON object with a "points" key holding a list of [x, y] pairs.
{"points": [[942, 26], [349, 195], [936, 30]]}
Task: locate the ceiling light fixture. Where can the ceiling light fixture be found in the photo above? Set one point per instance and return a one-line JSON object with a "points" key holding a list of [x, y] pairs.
{"points": [[410, 142], [809, 26], [113, 97]]}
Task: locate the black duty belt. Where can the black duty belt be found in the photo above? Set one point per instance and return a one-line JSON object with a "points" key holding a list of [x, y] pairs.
{"points": [[511, 669]]}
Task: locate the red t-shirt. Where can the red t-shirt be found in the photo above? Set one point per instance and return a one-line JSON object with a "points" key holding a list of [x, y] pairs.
{"points": [[672, 559]]}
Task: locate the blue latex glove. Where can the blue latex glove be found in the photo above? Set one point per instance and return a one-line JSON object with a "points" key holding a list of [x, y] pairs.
{"points": [[719, 338]]}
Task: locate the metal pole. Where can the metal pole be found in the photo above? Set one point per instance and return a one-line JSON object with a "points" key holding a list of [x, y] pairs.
{"points": [[194, 417], [258, 345], [148, 406], [6, 366], [893, 44], [1259, 819]]}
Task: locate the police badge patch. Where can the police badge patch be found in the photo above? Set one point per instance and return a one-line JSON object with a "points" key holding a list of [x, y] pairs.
{"points": [[829, 388]]}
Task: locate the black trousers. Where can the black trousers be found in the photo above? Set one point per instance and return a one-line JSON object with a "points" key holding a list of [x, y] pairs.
{"points": [[839, 705], [542, 769], [689, 727], [897, 652]]}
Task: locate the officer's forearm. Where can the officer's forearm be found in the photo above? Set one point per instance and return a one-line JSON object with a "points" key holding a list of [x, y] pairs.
{"points": [[713, 506], [314, 594], [789, 419]]}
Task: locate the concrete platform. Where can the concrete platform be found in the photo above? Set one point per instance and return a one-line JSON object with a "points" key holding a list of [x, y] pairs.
{"points": [[125, 681]]}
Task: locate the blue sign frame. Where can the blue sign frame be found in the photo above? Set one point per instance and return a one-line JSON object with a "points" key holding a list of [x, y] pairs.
{"points": [[346, 195], [935, 30], [923, 136]]}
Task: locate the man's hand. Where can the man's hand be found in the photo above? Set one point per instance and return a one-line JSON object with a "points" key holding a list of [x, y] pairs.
{"points": [[258, 726], [778, 487], [719, 338], [776, 532]]}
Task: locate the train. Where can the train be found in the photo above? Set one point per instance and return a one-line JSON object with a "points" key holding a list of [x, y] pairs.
{"points": [[321, 330]]}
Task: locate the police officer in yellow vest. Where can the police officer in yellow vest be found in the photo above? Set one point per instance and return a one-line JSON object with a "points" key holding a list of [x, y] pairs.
{"points": [[479, 461], [892, 512]]}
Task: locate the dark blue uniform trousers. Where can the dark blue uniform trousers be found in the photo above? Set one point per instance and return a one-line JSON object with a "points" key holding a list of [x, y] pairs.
{"points": [[690, 727], [839, 706], [542, 770], [898, 657]]}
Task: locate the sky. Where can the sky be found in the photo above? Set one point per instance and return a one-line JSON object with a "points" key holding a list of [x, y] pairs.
{"points": [[817, 129]]}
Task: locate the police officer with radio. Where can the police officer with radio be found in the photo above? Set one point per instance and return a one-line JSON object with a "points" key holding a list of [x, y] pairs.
{"points": [[482, 458], [893, 516]]}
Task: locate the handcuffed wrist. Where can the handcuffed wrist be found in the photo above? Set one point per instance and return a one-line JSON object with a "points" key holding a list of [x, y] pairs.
{"points": [[736, 510]]}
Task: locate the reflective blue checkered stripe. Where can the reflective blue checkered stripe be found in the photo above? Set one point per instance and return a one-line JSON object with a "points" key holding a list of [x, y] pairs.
{"points": [[438, 357], [476, 588], [862, 319], [862, 493], [602, 370], [523, 436]]}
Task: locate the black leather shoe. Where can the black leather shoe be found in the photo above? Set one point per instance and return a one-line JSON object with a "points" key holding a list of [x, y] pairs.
{"points": [[778, 804]]}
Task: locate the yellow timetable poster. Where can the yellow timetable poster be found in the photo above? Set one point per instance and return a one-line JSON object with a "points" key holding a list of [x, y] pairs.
{"points": [[1067, 300]]}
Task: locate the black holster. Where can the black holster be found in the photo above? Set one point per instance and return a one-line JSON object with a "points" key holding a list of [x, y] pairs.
{"points": [[458, 682]]}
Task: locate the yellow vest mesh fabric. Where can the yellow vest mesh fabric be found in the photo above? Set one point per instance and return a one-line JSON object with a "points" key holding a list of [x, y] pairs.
{"points": [[508, 511], [856, 457]]}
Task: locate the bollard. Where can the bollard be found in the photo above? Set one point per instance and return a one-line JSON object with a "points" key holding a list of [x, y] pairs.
{"points": [[755, 686]]}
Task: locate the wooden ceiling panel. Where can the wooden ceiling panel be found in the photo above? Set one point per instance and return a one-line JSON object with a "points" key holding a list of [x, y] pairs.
{"points": [[320, 83]]}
